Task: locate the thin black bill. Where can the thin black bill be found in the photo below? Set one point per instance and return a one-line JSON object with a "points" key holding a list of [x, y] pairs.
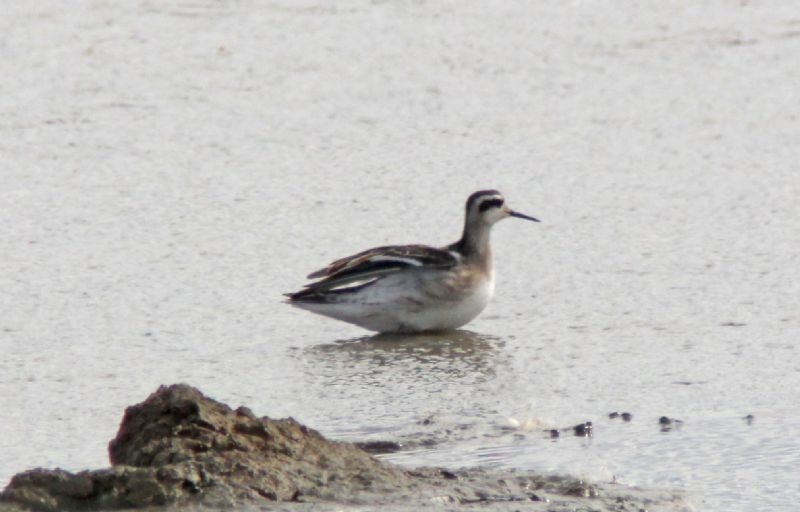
{"points": [[523, 216]]}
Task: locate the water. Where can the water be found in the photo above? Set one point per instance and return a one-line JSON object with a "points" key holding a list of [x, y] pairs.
{"points": [[168, 171]]}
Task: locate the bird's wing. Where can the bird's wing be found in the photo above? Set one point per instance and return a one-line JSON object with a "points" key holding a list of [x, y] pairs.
{"points": [[365, 268], [387, 259]]}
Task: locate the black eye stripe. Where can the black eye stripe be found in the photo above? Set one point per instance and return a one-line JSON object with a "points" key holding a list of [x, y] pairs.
{"points": [[476, 196], [491, 203]]}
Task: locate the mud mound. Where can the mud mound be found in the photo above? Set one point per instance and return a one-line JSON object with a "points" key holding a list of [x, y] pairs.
{"points": [[180, 448], [179, 445]]}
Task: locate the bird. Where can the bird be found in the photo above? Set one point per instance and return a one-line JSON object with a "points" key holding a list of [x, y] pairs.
{"points": [[413, 288]]}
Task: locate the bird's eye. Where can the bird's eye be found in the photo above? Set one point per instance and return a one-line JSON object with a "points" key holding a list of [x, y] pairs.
{"points": [[491, 203]]}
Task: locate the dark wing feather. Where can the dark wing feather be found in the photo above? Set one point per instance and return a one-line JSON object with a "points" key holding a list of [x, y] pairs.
{"points": [[363, 269], [387, 258]]}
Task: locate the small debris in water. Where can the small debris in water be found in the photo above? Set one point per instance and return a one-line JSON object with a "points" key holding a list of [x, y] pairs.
{"points": [[527, 425], [733, 324], [749, 419], [668, 424], [583, 429], [426, 421], [554, 433], [626, 416]]}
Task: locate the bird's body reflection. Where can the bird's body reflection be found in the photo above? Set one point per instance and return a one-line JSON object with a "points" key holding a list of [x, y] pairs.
{"points": [[373, 383], [450, 353], [421, 390]]}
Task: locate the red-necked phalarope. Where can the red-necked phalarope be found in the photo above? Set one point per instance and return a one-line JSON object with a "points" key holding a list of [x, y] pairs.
{"points": [[413, 288]]}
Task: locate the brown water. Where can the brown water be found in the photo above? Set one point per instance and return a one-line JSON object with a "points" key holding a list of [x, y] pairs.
{"points": [[167, 172]]}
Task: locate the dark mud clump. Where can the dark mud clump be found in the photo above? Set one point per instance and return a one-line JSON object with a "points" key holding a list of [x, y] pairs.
{"points": [[668, 424], [179, 448], [584, 429], [380, 447], [626, 416]]}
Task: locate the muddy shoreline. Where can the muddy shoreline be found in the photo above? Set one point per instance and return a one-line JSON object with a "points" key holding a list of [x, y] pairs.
{"points": [[182, 450]]}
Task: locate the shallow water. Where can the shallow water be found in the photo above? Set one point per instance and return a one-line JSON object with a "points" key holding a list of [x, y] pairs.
{"points": [[168, 172]]}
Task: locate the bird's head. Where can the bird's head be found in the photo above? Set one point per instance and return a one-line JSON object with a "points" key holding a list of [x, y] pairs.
{"points": [[486, 207]]}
